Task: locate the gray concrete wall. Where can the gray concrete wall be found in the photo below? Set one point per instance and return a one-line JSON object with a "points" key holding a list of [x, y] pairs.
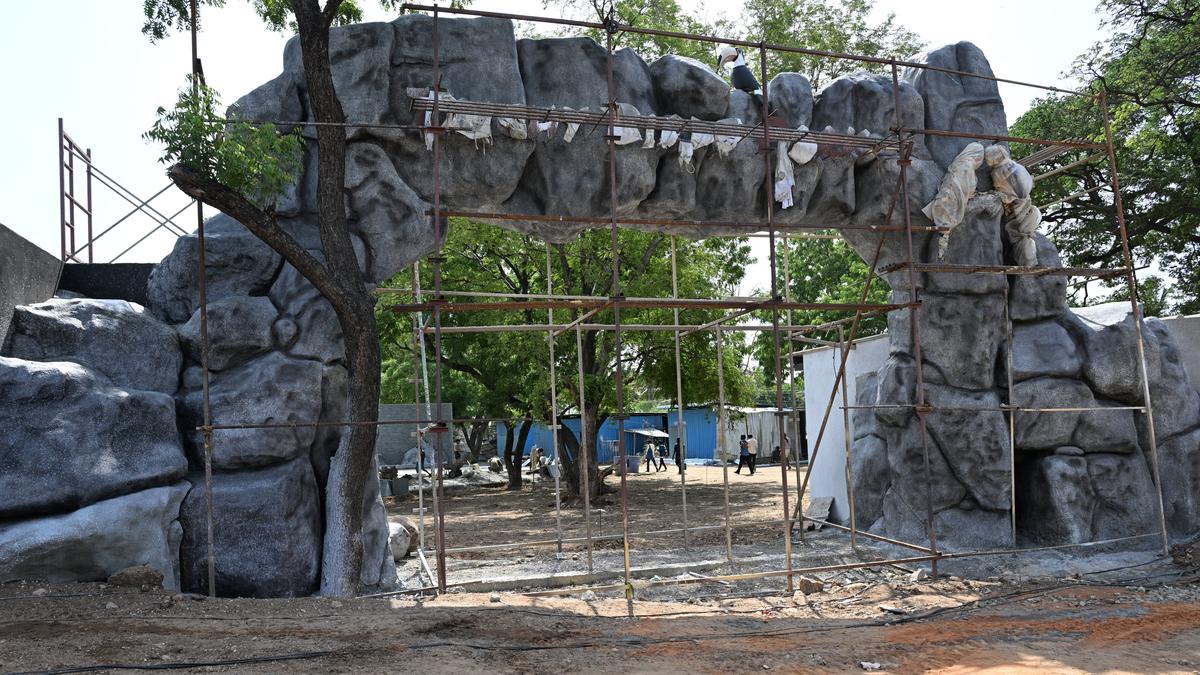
{"points": [[393, 440], [27, 274], [1186, 331]]}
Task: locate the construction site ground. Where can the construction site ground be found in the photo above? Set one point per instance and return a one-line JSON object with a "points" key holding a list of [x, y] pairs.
{"points": [[1090, 610], [1131, 623], [494, 515]]}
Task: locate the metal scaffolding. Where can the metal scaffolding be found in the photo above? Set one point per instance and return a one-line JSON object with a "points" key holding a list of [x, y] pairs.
{"points": [[899, 142]]}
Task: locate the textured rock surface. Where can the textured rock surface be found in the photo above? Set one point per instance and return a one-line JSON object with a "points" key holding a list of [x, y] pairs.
{"points": [[1044, 348], [689, 88], [975, 444], [950, 356], [871, 477], [866, 101], [791, 98], [977, 241], [1057, 501], [1039, 297], [1048, 430], [1112, 367], [273, 389], [1180, 471], [956, 102], [360, 56], [267, 533], [93, 542], [90, 332], [238, 328], [237, 264], [70, 438]]}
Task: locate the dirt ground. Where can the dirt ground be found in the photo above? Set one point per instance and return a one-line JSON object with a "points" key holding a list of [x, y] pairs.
{"points": [[946, 626], [497, 516], [1132, 612]]}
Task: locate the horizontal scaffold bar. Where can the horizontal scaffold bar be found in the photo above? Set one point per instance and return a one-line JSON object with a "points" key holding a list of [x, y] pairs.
{"points": [[750, 226], [623, 28], [644, 303], [1010, 270], [677, 124]]}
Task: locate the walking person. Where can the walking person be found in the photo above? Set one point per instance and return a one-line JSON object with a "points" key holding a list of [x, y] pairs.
{"points": [[649, 451], [752, 450], [661, 449], [743, 454], [679, 455]]}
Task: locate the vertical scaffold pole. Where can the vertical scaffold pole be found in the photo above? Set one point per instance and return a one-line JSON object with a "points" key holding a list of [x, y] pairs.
{"points": [[845, 355], [780, 420], [791, 360], [419, 333], [558, 463], [722, 424], [680, 424], [1131, 280], [617, 297], [204, 344], [585, 442], [915, 328], [440, 426], [1012, 425]]}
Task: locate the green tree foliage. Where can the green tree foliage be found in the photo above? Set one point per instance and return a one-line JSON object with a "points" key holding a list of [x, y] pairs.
{"points": [[663, 15], [507, 374], [837, 26], [1150, 68], [253, 159]]}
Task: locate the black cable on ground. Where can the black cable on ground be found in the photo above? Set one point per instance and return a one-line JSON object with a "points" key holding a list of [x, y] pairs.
{"points": [[180, 665]]}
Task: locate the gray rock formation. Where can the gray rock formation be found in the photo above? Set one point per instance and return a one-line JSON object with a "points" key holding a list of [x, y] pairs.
{"points": [[689, 88], [239, 328], [958, 102], [267, 533], [237, 264], [276, 352], [91, 543], [92, 332], [70, 438], [274, 389]]}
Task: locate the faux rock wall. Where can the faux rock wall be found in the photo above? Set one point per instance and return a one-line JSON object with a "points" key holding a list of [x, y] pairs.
{"points": [[276, 353]]}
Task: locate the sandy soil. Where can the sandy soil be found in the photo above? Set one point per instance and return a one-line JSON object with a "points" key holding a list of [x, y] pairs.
{"points": [[496, 516], [947, 626]]}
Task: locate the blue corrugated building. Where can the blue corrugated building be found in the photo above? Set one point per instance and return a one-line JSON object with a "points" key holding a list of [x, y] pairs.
{"points": [[700, 423]]}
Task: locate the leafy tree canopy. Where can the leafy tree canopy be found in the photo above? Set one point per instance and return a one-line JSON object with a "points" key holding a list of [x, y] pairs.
{"points": [[1150, 69]]}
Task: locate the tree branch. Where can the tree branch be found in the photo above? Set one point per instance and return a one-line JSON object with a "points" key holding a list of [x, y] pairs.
{"points": [[261, 224]]}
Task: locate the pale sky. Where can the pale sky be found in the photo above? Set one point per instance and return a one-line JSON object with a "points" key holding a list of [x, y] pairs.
{"points": [[89, 63]]}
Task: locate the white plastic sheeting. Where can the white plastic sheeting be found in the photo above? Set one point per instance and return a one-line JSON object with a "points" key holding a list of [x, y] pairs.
{"points": [[949, 207], [1013, 182]]}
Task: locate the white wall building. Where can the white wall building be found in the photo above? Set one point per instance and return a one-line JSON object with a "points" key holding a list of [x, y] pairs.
{"points": [[820, 370]]}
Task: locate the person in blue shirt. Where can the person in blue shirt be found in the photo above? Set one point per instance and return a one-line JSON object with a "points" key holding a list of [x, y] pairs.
{"points": [[743, 454]]}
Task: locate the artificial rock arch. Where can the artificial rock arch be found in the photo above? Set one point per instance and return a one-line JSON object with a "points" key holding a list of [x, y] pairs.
{"points": [[275, 343]]}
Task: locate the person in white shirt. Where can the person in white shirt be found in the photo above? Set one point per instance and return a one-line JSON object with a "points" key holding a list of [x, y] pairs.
{"points": [[752, 449]]}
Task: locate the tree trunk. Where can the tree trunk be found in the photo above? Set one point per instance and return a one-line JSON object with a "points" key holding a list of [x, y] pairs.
{"points": [[341, 564], [473, 433], [570, 452], [513, 453]]}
